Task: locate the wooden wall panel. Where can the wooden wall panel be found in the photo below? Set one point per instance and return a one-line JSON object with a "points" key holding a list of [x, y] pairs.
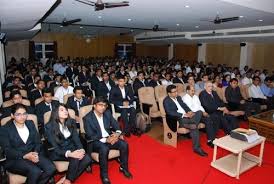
{"points": [[17, 49], [186, 52], [159, 51], [263, 56], [223, 54]]}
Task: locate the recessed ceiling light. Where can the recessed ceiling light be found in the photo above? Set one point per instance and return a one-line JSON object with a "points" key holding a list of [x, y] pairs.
{"points": [[196, 26], [177, 24], [99, 17], [61, 26], [129, 19], [260, 20], [241, 16], [187, 6], [81, 27]]}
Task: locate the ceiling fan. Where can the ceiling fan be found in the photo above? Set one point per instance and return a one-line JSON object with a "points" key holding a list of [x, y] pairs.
{"points": [[219, 20], [100, 5], [66, 22]]}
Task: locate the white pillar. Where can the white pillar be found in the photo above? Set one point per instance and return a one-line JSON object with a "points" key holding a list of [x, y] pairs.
{"points": [[246, 55], [2, 70], [170, 51], [202, 52]]}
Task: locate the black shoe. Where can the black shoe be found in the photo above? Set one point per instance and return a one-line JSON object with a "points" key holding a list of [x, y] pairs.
{"points": [[127, 134], [200, 152], [126, 173], [105, 180], [210, 144]]}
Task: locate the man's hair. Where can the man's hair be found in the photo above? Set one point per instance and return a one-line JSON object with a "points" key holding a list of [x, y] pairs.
{"points": [[14, 78], [100, 99], [267, 79], [234, 79], [170, 87], [179, 71], [16, 107], [77, 88], [140, 72], [47, 90], [256, 77], [15, 92], [121, 77], [39, 81], [63, 78], [104, 73]]}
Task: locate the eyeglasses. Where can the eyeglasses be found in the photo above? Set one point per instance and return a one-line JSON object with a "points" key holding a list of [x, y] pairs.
{"points": [[20, 115]]}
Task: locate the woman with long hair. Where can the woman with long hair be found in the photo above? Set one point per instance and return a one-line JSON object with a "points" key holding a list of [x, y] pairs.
{"points": [[61, 132]]}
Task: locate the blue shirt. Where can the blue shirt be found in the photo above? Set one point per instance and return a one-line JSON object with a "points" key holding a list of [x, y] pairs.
{"points": [[267, 91]]}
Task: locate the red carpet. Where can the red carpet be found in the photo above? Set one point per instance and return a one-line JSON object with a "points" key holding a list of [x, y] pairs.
{"points": [[154, 163]]}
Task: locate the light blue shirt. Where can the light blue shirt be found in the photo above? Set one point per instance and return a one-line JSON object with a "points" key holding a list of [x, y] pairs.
{"points": [[267, 91]]}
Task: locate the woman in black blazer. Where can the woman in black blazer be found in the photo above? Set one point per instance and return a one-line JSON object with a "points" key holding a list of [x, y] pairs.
{"points": [[61, 133]]}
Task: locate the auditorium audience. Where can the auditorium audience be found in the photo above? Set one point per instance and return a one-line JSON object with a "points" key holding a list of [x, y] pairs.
{"points": [[63, 90], [105, 86]]}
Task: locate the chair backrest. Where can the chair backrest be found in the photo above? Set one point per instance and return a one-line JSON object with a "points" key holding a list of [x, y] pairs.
{"points": [[7, 94], [82, 113], [26, 102], [48, 114], [7, 103], [31, 117], [160, 91], [146, 95], [161, 106], [39, 100], [49, 83], [24, 93], [180, 89], [223, 94], [66, 98]]}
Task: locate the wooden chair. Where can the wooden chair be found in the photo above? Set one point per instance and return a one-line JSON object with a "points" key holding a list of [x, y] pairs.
{"points": [[116, 115], [223, 94], [170, 137], [180, 89], [147, 96], [48, 114], [94, 155], [16, 178], [24, 93], [39, 100], [160, 92], [9, 103], [66, 98]]}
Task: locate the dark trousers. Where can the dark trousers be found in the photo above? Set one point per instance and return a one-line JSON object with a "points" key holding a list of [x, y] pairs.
{"points": [[249, 107], [268, 102], [76, 166], [103, 150], [228, 122], [129, 117], [211, 127], [36, 173], [192, 125]]}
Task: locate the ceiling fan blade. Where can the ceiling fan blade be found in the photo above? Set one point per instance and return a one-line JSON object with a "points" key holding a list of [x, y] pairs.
{"points": [[66, 23], [87, 2], [118, 4], [229, 19]]}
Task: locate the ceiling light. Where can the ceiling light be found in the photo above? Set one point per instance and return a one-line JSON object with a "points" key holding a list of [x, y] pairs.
{"points": [[196, 26], [81, 27], [186, 6], [241, 16], [129, 19], [61, 26], [99, 17], [177, 24], [260, 20]]}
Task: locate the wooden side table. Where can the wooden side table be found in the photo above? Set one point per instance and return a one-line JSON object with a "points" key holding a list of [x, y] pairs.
{"points": [[238, 161]]}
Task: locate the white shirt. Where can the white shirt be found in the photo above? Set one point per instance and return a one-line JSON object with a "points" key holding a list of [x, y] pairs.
{"points": [[180, 109], [64, 130], [132, 74], [61, 92], [166, 82], [23, 132], [193, 103], [255, 92], [108, 85], [103, 130], [123, 91], [246, 81]]}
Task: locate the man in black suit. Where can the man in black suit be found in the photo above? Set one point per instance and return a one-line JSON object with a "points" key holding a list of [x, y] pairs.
{"points": [[216, 109], [78, 100], [48, 104], [122, 98], [71, 72], [23, 149], [155, 80], [178, 78], [105, 86], [139, 82], [96, 78], [103, 130], [49, 76], [31, 78], [177, 110], [37, 93]]}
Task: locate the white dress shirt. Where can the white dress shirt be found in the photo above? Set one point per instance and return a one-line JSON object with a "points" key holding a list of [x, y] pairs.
{"points": [[108, 85], [166, 82], [103, 130], [193, 103], [180, 109], [61, 92], [246, 81], [123, 91], [255, 92], [66, 133], [23, 132]]}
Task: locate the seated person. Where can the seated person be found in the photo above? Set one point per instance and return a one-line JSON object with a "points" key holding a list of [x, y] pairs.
{"points": [[63, 90], [139, 82], [155, 80], [226, 80], [122, 98], [191, 82], [105, 86], [268, 89], [193, 102], [204, 80], [61, 133], [23, 149], [176, 109], [37, 93], [167, 80], [256, 93], [48, 104], [217, 82], [216, 109], [179, 77], [16, 84], [103, 130], [16, 98], [96, 78], [236, 102]]}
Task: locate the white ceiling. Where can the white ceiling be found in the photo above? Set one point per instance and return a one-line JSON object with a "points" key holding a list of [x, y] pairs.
{"points": [[168, 13]]}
